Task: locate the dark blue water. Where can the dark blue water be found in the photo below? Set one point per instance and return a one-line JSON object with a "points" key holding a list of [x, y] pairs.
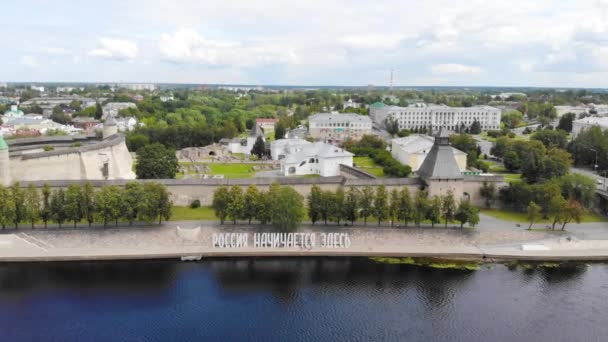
{"points": [[299, 300]]}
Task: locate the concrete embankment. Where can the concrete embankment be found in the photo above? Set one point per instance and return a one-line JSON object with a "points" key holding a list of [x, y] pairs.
{"points": [[167, 242]]}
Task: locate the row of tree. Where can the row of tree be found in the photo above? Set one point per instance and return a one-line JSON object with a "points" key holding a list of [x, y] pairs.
{"points": [[281, 206], [532, 159], [375, 148], [396, 206], [136, 201]]}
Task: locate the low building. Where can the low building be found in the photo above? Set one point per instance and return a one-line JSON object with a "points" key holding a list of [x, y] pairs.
{"points": [[126, 124], [85, 123], [113, 108], [317, 158], [244, 145], [335, 128], [13, 113], [266, 124], [430, 116], [351, 104], [414, 149], [283, 147], [586, 123]]}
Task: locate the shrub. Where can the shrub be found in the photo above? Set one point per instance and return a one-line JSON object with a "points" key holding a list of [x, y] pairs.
{"points": [[195, 204]]}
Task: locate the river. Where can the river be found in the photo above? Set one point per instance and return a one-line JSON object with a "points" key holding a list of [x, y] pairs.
{"points": [[305, 299]]}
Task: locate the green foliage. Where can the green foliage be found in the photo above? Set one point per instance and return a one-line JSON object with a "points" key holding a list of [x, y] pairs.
{"points": [[221, 199], [448, 207], [88, 202], [7, 207], [467, 213], [109, 203], [565, 122], [45, 213], [512, 118], [133, 193], [73, 204], [433, 213], [380, 208], [18, 198], [287, 209], [195, 204], [488, 192], [421, 206], [236, 203], [588, 144], [57, 207], [259, 148], [533, 213], [366, 203], [351, 204], [552, 138], [156, 203], [32, 205], [155, 161], [251, 203]]}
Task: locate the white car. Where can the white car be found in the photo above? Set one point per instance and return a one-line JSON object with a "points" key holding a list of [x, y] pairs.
{"points": [[599, 181]]}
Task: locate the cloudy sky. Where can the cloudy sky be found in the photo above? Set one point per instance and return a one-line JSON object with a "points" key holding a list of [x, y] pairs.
{"points": [[308, 42]]}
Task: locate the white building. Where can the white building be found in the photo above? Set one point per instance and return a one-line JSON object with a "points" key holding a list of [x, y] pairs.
{"points": [[578, 110], [139, 86], [315, 159], [413, 150], [350, 103], [38, 88], [282, 147], [126, 124], [244, 145], [335, 128], [452, 118], [586, 123], [113, 108]]}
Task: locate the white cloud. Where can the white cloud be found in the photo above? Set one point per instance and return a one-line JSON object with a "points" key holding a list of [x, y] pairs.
{"points": [[29, 61], [187, 45], [57, 50], [120, 49], [372, 41], [454, 69]]}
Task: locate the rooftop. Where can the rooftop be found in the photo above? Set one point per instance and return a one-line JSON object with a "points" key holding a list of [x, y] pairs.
{"points": [[440, 163], [334, 117]]}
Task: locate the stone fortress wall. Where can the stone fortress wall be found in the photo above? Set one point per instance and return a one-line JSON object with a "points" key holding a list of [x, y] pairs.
{"points": [[92, 159], [184, 191]]}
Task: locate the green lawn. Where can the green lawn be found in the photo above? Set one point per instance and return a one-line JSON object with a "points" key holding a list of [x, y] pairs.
{"points": [[514, 216], [511, 177], [368, 165], [232, 170], [188, 214]]}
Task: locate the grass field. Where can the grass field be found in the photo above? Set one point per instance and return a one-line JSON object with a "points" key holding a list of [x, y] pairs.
{"points": [[232, 170], [188, 214], [368, 165], [514, 216], [511, 177]]}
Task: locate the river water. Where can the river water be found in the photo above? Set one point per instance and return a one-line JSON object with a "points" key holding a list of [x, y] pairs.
{"points": [[312, 299]]}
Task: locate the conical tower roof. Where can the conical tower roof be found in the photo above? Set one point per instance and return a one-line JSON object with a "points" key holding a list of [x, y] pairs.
{"points": [[440, 163]]}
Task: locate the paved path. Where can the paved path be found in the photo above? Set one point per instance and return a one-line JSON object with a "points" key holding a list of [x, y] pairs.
{"points": [[494, 239]]}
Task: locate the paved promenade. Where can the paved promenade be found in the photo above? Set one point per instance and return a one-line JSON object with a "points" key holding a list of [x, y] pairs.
{"points": [[492, 240]]}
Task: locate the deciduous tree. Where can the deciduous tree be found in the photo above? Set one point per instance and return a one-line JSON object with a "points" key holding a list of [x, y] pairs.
{"points": [[533, 213], [381, 204], [32, 205], [221, 198], [448, 207]]}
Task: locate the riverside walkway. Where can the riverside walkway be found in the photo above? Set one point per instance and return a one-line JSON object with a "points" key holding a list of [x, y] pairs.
{"points": [[493, 240]]}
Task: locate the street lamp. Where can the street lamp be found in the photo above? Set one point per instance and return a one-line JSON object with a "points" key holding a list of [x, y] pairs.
{"points": [[594, 164]]}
